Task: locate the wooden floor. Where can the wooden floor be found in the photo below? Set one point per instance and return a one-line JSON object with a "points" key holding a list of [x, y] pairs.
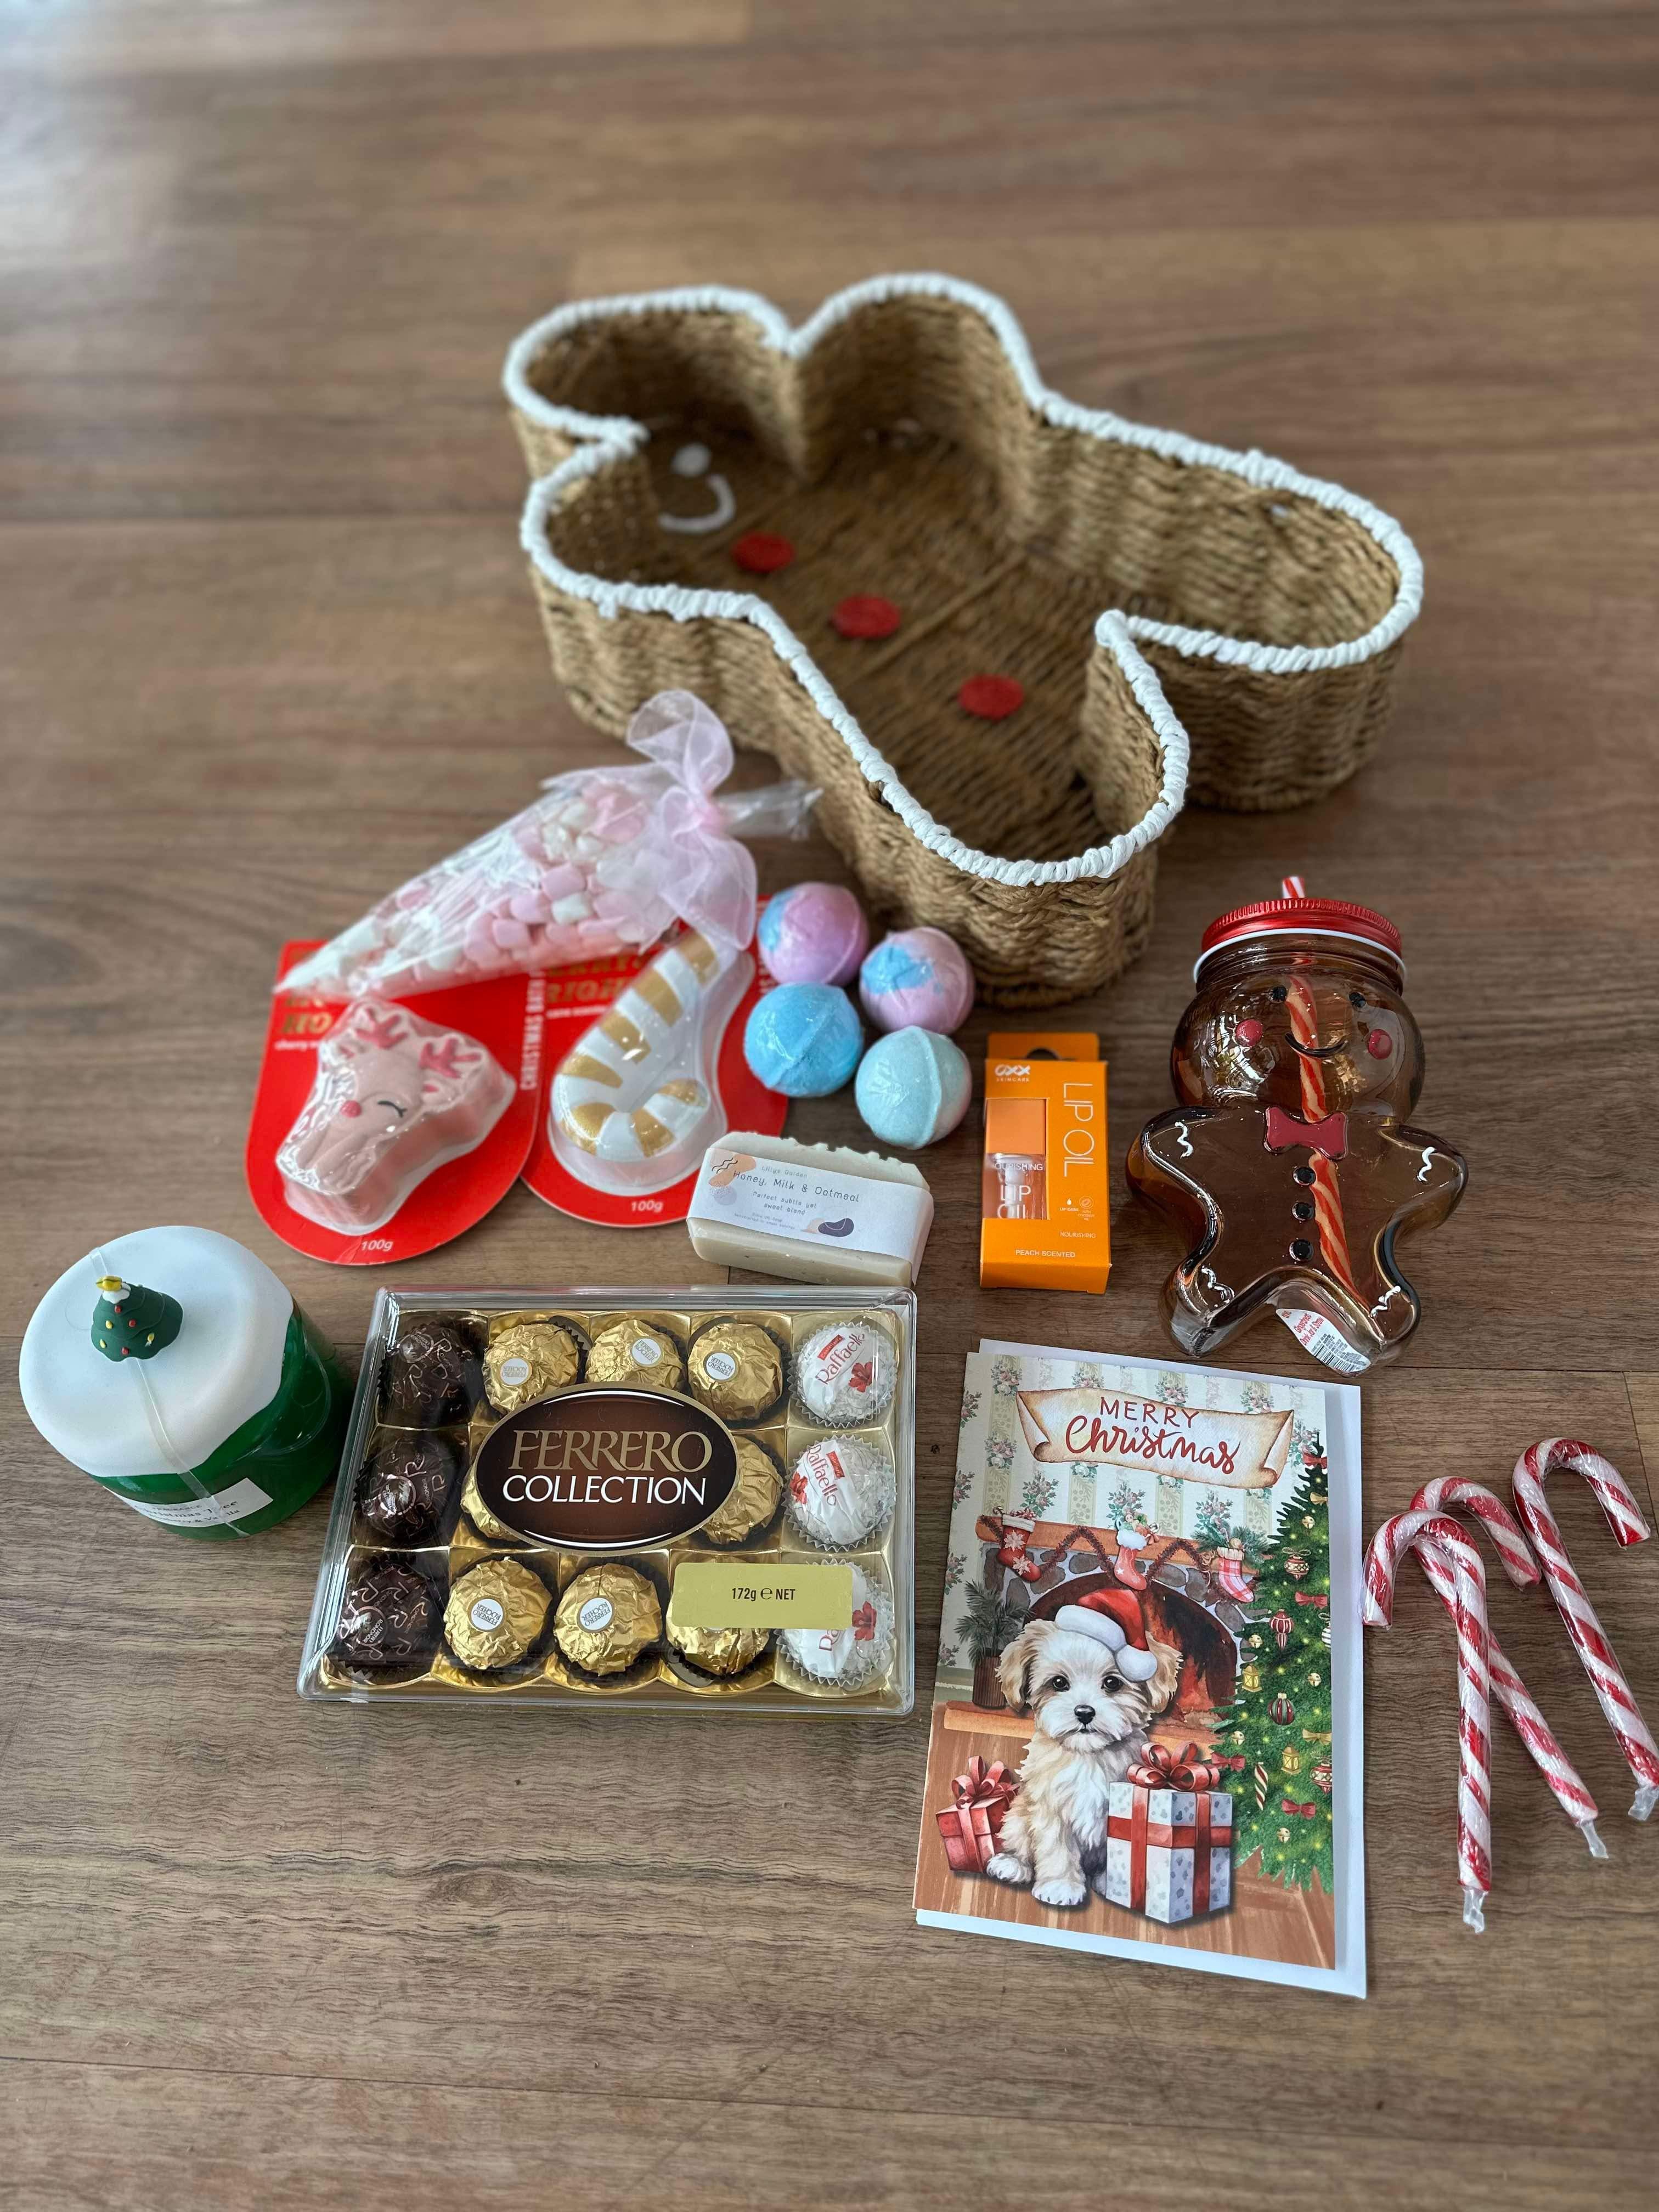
{"points": [[269, 647]]}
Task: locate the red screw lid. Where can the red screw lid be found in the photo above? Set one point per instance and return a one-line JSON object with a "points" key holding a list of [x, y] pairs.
{"points": [[1293, 913]]}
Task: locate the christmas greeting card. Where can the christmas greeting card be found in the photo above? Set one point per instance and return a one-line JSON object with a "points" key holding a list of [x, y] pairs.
{"points": [[1147, 1734]]}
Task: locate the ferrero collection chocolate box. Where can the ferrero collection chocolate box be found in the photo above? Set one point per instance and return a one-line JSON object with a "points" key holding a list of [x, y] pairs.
{"points": [[679, 1498]]}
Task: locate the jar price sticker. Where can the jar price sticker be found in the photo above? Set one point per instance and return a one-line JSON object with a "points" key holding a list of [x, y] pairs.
{"points": [[755, 1594]]}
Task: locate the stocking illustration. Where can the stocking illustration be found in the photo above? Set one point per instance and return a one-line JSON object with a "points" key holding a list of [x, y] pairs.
{"points": [[1230, 1574], [1012, 1552], [1125, 1566]]}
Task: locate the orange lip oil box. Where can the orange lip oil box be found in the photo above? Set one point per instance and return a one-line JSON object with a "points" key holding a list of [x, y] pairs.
{"points": [[1046, 1210]]}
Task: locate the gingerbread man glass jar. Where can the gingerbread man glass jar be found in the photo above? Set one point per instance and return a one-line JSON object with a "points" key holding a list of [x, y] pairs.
{"points": [[1289, 1166]]}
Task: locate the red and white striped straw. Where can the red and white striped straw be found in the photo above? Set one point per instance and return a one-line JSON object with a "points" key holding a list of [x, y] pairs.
{"points": [[1600, 1661], [1436, 1533], [1326, 1188]]}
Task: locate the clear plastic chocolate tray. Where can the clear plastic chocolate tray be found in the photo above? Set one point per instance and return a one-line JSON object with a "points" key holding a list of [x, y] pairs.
{"points": [[582, 1504]]}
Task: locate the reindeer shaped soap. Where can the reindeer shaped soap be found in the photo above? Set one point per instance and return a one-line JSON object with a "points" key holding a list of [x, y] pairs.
{"points": [[394, 1097]]}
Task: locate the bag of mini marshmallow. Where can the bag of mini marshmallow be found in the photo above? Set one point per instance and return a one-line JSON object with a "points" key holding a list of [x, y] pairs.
{"points": [[605, 861]]}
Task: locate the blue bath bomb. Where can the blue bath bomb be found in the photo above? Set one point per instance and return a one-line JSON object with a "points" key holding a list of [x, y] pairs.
{"points": [[913, 1087], [804, 1039]]}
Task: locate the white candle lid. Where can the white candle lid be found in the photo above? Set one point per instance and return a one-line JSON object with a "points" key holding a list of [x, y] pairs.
{"points": [[171, 1412]]}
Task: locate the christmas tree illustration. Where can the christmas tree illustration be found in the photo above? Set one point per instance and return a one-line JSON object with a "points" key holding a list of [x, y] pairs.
{"points": [[1279, 1722]]}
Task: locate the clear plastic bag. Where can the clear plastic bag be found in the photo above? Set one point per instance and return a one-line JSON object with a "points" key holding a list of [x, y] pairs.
{"points": [[605, 862]]}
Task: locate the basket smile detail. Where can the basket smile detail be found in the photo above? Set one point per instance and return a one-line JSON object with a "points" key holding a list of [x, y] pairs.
{"points": [[903, 446]]}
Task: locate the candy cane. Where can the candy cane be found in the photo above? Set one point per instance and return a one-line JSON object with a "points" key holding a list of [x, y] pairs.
{"points": [[1453, 1494], [1600, 1661], [1436, 1532]]}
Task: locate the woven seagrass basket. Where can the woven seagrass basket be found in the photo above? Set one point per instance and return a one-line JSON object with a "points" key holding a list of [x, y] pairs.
{"points": [[903, 443]]}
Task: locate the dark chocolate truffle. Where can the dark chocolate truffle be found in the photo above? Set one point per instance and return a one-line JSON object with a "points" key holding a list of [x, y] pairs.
{"points": [[404, 1489], [431, 1375], [389, 1616]]}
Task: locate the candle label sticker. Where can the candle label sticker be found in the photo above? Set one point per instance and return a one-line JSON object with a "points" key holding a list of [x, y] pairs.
{"points": [[234, 1503], [753, 1593], [607, 1470]]}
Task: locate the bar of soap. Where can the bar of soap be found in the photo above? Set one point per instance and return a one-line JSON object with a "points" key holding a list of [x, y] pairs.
{"points": [[812, 1213]]}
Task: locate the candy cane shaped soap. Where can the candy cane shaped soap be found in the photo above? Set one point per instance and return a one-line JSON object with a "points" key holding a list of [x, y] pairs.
{"points": [[1599, 1659], [394, 1098], [616, 1096]]}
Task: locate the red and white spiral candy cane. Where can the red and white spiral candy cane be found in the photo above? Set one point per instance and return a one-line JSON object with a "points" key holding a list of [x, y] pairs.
{"points": [[1452, 1493], [1436, 1532], [1600, 1662]]}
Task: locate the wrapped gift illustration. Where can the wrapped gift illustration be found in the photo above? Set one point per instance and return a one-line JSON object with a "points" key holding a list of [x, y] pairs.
{"points": [[1169, 1837], [972, 1824]]}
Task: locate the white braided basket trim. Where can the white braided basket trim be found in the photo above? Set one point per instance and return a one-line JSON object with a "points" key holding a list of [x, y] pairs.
{"points": [[622, 435], [684, 605]]}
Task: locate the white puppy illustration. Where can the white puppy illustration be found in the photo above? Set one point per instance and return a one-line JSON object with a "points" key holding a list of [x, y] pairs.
{"points": [[1095, 1679]]}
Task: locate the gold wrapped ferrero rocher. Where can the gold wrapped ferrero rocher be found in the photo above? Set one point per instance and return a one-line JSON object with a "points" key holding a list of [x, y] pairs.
{"points": [[736, 1370], [482, 1518], [636, 1352], [527, 1361], [607, 1616], [495, 1613], [753, 1499], [717, 1650]]}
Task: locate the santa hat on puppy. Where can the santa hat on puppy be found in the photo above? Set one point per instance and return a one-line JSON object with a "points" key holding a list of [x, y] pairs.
{"points": [[1114, 1618]]}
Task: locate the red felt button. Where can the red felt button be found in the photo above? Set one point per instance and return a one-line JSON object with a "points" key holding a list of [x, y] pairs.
{"points": [[760, 552], [866, 615], [992, 698]]}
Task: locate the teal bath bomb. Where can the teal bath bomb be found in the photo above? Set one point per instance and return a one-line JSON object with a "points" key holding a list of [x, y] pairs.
{"points": [[804, 1039], [913, 1088]]}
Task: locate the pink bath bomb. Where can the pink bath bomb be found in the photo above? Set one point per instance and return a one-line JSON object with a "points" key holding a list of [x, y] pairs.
{"points": [[813, 933], [917, 979]]}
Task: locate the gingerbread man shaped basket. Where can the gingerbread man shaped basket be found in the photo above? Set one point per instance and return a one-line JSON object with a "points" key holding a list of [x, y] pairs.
{"points": [[1288, 1165]]}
